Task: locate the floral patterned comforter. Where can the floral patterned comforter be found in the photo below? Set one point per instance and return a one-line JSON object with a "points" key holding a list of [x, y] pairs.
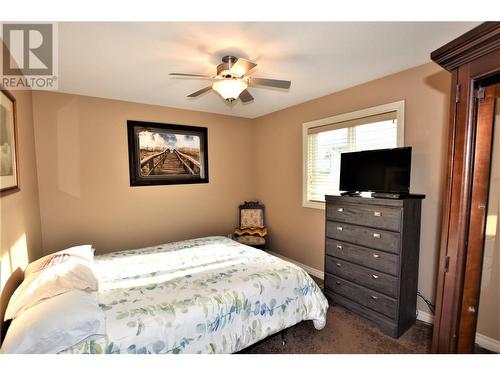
{"points": [[207, 295]]}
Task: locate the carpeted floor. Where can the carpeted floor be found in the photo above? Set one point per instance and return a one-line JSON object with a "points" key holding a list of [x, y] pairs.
{"points": [[345, 333]]}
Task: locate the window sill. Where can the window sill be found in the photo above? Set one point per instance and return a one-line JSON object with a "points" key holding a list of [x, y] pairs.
{"points": [[314, 204]]}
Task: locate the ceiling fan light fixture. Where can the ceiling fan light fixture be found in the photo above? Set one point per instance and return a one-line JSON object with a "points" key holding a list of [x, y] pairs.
{"points": [[232, 80], [230, 89]]}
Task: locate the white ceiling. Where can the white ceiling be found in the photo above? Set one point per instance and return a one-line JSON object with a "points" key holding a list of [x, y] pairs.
{"points": [[131, 61]]}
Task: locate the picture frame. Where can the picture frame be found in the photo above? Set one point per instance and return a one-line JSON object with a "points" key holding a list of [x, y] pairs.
{"points": [[167, 154], [9, 151]]}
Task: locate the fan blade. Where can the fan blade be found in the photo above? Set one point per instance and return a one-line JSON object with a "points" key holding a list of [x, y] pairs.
{"points": [[245, 96], [270, 82], [190, 75], [241, 67], [199, 92]]}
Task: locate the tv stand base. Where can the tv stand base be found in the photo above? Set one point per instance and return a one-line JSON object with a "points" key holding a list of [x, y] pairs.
{"points": [[389, 195], [350, 193]]}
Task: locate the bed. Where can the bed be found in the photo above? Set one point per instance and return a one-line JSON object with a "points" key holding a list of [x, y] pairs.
{"points": [[206, 295]]}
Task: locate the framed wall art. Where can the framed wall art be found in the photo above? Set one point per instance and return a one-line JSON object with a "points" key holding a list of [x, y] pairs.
{"points": [[165, 154], [9, 170]]}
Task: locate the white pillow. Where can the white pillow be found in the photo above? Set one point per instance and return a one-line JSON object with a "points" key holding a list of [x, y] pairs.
{"points": [[82, 251], [68, 274], [55, 324]]}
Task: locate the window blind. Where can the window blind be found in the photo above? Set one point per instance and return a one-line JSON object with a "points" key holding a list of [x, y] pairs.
{"points": [[326, 143]]}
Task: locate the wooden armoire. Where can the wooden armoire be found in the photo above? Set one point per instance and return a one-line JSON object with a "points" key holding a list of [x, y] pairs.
{"points": [[474, 62]]}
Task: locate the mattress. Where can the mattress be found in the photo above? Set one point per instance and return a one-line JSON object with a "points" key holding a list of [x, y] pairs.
{"points": [[206, 295]]}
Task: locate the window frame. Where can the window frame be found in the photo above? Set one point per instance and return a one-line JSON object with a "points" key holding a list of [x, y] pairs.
{"points": [[398, 107]]}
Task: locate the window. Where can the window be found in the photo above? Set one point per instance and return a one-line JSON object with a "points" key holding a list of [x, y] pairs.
{"points": [[324, 140]]}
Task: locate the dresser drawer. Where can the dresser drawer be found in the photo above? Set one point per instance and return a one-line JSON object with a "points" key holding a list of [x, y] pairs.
{"points": [[386, 325], [369, 237], [363, 256], [366, 297], [373, 216], [371, 279]]}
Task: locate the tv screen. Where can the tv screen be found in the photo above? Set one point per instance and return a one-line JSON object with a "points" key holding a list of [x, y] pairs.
{"points": [[386, 170]]}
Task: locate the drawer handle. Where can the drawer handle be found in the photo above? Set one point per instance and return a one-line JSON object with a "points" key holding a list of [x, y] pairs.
{"points": [[340, 209], [376, 256], [339, 246], [376, 235], [377, 213], [337, 282], [340, 228], [374, 298], [375, 277], [338, 264]]}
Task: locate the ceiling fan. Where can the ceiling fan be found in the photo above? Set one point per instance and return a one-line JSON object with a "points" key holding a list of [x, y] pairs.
{"points": [[232, 80]]}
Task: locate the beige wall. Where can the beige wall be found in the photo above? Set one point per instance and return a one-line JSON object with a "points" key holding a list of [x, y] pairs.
{"points": [[85, 194], [20, 235], [488, 322], [297, 232]]}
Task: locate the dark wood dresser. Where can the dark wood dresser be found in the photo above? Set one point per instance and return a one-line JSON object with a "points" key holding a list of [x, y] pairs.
{"points": [[371, 258]]}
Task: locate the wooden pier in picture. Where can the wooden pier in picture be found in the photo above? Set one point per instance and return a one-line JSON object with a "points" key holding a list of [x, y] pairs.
{"points": [[170, 162]]}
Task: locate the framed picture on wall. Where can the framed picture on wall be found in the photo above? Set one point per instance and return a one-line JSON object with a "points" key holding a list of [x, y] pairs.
{"points": [[9, 171], [165, 154]]}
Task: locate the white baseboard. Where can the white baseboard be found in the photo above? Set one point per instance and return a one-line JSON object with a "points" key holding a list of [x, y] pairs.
{"points": [[425, 317], [482, 340], [488, 343], [310, 270]]}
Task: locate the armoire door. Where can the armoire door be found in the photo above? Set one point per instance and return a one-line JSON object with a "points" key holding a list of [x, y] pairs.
{"points": [[485, 104], [474, 61]]}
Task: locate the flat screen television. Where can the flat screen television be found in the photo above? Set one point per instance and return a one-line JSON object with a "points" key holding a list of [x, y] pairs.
{"points": [[384, 171]]}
